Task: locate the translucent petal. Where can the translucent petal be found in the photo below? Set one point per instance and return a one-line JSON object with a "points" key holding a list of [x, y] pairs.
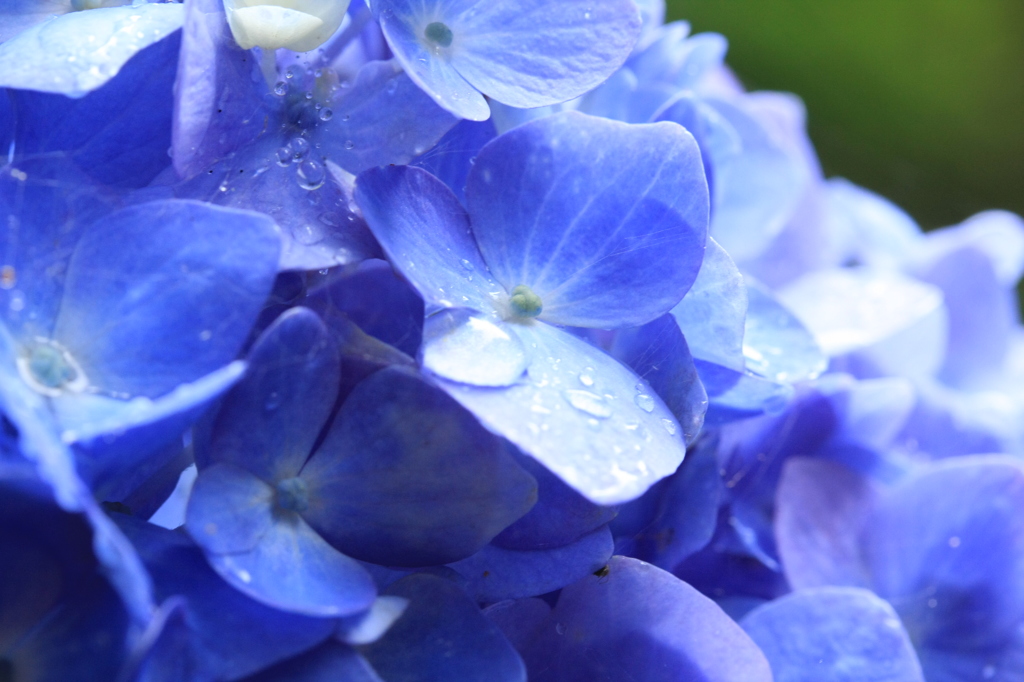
{"points": [[472, 348]]}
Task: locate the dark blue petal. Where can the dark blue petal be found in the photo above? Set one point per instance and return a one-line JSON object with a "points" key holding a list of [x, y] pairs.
{"points": [[635, 621], [833, 634], [78, 52], [332, 662], [442, 636], [615, 232], [179, 283], [584, 416], [230, 509], [658, 353], [494, 574], [451, 486], [270, 421], [455, 153], [736, 395], [712, 313], [119, 133]]}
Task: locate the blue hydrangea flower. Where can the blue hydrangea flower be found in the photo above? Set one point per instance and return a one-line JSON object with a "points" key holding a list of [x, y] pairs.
{"points": [[524, 54], [547, 240]]}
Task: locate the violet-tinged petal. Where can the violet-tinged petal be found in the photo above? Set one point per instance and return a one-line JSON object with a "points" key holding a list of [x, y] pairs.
{"points": [[451, 485], [560, 517], [997, 234], [658, 353], [230, 509], [532, 53], [119, 133], [293, 569], [308, 198], [775, 344], [442, 636], [143, 278], [615, 234], [633, 620], [426, 235], [455, 153], [711, 315], [472, 348], [894, 323], [269, 422], [228, 634], [219, 92], [494, 574], [76, 53], [833, 634], [331, 662], [588, 419], [381, 118], [820, 507], [945, 549]]}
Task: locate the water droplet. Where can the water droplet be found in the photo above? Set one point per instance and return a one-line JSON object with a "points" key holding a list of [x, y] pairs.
{"points": [[281, 89], [349, 144], [670, 426], [644, 402], [205, 335], [326, 114], [284, 157], [391, 87], [17, 302], [988, 672], [300, 148], [466, 264], [588, 402], [346, 118], [954, 542], [933, 602], [560, 628], [585, 376], [311, 174], [309, 95]]}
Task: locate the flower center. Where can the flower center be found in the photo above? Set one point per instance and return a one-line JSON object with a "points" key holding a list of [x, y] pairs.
{"points": [[292, 495], [524, 303], [49, 368], [438, 33]]}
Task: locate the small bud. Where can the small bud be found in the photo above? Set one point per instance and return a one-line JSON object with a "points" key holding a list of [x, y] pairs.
{"points": [[524, 302], [299, 25]]}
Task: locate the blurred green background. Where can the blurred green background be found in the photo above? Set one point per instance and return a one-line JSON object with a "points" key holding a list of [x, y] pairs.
{"points": [[919, 100]]}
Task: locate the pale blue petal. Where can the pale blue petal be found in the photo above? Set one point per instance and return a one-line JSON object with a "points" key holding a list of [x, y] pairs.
{"points": [[775, 344], [472, 348], [23, 14], [76, 53], [615, 232], [587, 418]]}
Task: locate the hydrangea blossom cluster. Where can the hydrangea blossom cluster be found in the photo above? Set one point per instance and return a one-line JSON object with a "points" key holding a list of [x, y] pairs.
{"points": [[480, 341]]}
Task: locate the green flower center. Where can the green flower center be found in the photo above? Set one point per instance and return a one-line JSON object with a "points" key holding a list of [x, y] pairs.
{"points": [[292, 495], [438, 33], [525, 303]]}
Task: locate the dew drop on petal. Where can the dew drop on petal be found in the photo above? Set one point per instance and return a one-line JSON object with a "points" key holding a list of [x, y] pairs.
{"points": [[590, 403], [350, 145], [284, 157], [586, 376], [644, 402], [281, 89], [326, 114], [300, 148], [560, 628], [311, 174]]}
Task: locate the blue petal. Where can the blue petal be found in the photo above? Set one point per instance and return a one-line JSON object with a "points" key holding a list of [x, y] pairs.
{"points": [[403, 23], [119, 133], [560, 517], [382, 118], [318, 224], [944, 548], [332, 662], [877, 232], [472, 348], [712, 313], [999, 235], [115, 440], [230, 509], [270, 421], [833, 634], [638, 622], [615, 234], [425, 233], [442, 636], [452, 157], [229, 634], [658, 353], [179, 283], [78, 52], [736, 395], [22, 14], [451, 485], [584, 416], [776, 346], [219, 92], [755, 182], [820, 507], [532, 53], [493, 573]]}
